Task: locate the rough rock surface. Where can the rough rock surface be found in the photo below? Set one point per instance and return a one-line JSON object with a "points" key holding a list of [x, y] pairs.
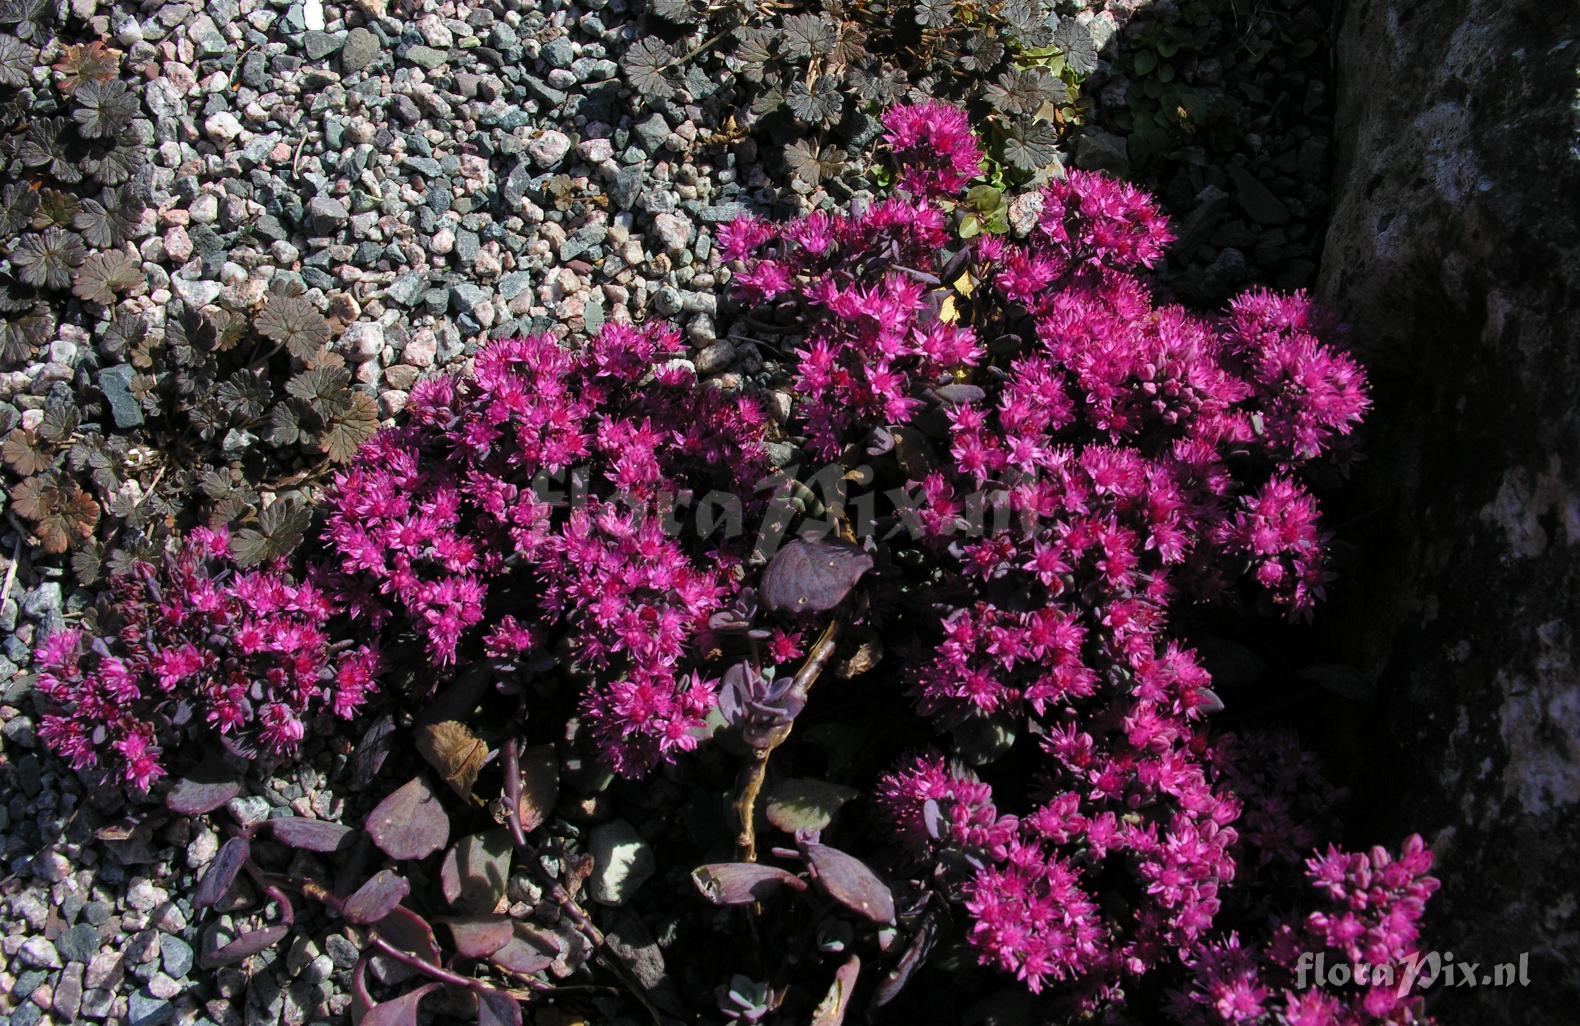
{"points": [[1454, 252]]}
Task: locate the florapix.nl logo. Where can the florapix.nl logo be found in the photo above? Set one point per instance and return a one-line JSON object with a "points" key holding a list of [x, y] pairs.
{"points": [[1420, 971]]}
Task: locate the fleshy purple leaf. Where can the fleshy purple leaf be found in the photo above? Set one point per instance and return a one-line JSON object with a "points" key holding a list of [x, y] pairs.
{"points": [[245, 946], [311, 834], [812, 576], [221, 875], [372, 750], [848, 881], [497, 1009], [377, 898], [400, 1012], [530, 950], [203, 790], [410, 932], [473, 873], [409, 824], [478, 936], [831, 1010], [741, 883]]}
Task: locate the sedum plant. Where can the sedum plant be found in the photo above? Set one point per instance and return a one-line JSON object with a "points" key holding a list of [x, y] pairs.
{"points": [[193, 642], [903, 724]]}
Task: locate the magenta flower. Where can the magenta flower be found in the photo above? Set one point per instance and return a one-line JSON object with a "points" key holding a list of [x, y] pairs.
{"points": [[936, 149], [199, 641], [522, 512]]}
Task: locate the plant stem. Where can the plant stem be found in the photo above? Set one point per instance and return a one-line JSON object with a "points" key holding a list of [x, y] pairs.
{"points": [[752, 776], [511, 757]]}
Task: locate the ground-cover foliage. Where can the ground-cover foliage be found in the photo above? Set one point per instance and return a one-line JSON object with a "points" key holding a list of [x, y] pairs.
{"points": [[920, 719], [150, 417], [823, 66]]}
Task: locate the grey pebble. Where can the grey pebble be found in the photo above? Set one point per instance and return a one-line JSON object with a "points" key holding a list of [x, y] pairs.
{"points": [[79, 944], [321, 44], [360, 50], [175, 956]]}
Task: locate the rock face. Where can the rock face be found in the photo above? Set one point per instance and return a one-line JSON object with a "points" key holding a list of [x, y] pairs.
{"points": [[1454, 253]]}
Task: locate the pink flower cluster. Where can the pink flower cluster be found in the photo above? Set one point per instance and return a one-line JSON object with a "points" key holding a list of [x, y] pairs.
{"points": [[198, 641], [526, 507], [936, 149], [1373, 906], [872, 338], [1143, 457], [931, 804]]}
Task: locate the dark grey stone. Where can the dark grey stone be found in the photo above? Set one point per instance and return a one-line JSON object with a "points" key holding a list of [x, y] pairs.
{"points": [[146, 1010], [404, 109], [651, 132], [514, 284], [516, 183], [321, 44], [79, 944], [466, 295], [326, 215], [255, 70], [175, 956], [543, 92], [407, 289], [27, 982], [559, 53], [116, 384], [426, 57], [626, 187], [425, 166], [1256, 199], [361, 49]]}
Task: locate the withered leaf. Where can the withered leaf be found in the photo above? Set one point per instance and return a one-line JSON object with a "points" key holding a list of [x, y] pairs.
{"points": [[455, 752]]}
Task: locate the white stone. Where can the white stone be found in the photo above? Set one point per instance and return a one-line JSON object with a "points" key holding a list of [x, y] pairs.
{"points": [[548, 149], [365, 339], [422, 350], [673, 230], [222, 126]]}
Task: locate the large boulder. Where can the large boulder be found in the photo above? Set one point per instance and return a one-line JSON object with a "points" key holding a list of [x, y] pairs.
{"points": [[1454, 253]]}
